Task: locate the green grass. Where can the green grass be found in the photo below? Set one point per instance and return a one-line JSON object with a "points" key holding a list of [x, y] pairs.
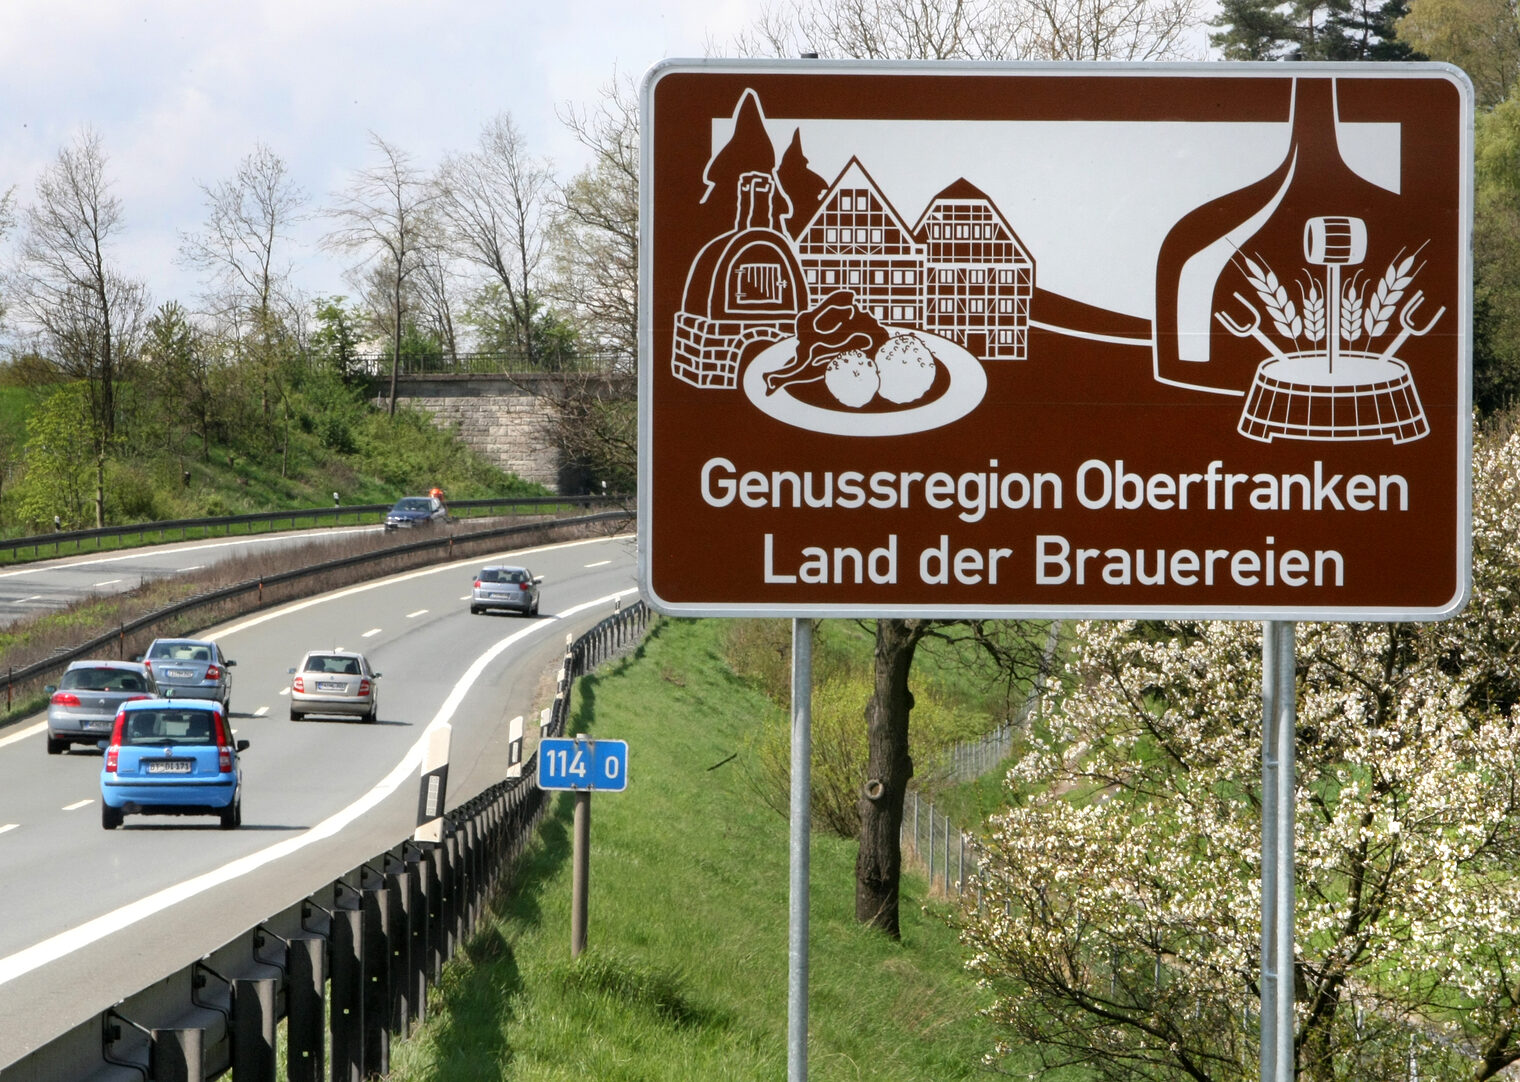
{"points": [[685, 975]]}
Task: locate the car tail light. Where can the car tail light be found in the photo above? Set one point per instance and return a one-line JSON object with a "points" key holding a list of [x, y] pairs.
{"points": [[147, 664], [64, 698], [134, 698], [224, 759], [213, 673], [115, 745], [477, 584], [363, 688], [298, 685]]}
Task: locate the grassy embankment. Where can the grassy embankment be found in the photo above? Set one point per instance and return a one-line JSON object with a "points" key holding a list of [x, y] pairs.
{"points": [[685, 976]]}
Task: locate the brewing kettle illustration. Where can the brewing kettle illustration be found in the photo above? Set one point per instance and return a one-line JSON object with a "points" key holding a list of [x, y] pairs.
{"points": [[1243, 256]]}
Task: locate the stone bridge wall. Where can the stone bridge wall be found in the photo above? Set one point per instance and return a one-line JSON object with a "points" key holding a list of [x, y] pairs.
{"points": [[509, 419]]}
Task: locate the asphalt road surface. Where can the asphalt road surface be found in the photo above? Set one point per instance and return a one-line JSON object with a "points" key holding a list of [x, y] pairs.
{"points": [[88, 916], [51, 585]]}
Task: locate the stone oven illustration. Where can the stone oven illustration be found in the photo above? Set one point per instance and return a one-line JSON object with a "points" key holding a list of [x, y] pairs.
{"points": [[744, 287]]}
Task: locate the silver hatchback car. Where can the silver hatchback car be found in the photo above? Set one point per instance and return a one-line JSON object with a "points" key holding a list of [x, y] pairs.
{"points": [[191, 669], [83, 705], [334, 682], [504, 587]]}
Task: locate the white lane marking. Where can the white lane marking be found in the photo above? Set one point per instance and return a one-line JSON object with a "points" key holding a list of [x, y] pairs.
{"points": [[466, 597], [91, 931], [77, 805], [371, 633], [137, 554], [8, 826], [261, 711], [599, 563], [192, 567], [34, 597], [414, 615], [30, 730], [285, 691], [108, 582], [297, 606]]}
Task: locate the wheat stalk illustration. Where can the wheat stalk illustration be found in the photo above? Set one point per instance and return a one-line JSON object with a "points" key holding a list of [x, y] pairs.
{"points": [[1314, 310], [1390, 291], [1274, 296], [1351, 312]]}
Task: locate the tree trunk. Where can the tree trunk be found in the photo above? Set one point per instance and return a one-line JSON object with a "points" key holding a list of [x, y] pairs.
{"points": [[396, 355], [100, 490], [878, 867]]}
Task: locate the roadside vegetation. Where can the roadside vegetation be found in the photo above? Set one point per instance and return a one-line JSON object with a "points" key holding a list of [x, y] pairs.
{"points": [[685, 975]]}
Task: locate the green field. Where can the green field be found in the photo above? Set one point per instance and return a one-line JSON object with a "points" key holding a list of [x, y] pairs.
{"points": [[685, 976]]}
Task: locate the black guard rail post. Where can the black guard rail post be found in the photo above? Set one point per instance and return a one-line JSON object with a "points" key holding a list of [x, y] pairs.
{"points": [[347, 987]]}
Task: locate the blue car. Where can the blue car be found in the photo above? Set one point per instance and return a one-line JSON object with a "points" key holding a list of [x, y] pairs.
{"points": [[413, 511], [172, 757]]}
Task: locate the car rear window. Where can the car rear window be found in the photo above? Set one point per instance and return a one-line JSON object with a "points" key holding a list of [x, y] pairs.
{"points": [[169, 727], [346, 665], [103, 680], [414, 504]]}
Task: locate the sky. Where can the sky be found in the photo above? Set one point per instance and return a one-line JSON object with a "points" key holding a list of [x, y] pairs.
{"points": [[180, 91]]}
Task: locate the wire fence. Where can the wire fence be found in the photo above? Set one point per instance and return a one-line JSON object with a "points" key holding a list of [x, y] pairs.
{"points": [[943, 848]]}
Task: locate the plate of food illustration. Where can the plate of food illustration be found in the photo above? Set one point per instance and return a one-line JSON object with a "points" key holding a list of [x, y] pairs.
{"points": [[845, 374]]}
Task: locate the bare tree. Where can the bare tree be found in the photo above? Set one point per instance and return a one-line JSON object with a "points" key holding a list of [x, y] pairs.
{"points": [[495, 205], [383, 217], [242, 247], [978, 29], [88, 314], [596, 235], [242, 243]]}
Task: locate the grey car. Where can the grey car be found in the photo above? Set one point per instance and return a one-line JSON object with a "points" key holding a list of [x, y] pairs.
{"points": [[334, 682], [506, 587], [411, 511], [83, 705], [191, 669]]}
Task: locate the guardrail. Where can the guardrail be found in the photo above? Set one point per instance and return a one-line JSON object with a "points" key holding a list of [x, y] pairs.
{"points": [[311, 516], [348, 967], [18, 679]]}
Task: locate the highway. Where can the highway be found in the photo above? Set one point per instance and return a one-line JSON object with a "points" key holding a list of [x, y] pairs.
{"points": [[51, 585], [88, 915]]}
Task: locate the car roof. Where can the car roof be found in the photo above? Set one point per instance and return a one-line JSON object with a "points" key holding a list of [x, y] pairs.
{"points": [[186, 703], [504, 567], [332, 653], [198, 642], [108, 663]]}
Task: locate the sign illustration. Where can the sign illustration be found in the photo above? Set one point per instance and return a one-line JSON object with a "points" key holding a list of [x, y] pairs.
{"points": [[1055, 339]]}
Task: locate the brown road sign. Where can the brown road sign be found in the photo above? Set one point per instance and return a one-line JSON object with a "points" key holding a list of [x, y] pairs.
{"points": [[1056, 340]]}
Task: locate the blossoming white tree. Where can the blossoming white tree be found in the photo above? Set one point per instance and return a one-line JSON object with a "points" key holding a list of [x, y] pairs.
{"points": [[1120, 925]]}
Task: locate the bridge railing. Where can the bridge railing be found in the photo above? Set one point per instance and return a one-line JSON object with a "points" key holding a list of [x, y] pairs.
{"points": [[347, 968], [377, 365]]}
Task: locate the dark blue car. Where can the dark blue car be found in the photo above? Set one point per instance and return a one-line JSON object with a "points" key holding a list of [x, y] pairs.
{"points": [[172, 757], [413, 511]]}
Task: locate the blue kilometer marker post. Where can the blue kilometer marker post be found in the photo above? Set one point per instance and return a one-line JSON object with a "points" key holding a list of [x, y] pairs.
{"points": [[583, 766]]}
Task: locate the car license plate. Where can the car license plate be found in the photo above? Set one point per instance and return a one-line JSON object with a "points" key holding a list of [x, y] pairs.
{"points": [[97, 725], [178, 674], [170, 766], [328, 685]]}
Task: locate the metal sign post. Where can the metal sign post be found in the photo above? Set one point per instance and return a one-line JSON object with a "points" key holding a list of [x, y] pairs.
{"points": [[583, 766], [801, 830], [1278, 714]]}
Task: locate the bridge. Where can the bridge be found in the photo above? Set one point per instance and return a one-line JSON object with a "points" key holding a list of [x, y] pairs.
{"points": [[513, 418]]}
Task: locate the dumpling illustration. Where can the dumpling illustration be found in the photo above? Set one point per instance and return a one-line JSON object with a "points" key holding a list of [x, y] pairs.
{"points": [[905, 367], [851, 377]]}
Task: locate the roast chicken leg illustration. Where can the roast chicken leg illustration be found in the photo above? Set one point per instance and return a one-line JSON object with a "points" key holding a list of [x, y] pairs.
{"points": [[832, 327]]}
